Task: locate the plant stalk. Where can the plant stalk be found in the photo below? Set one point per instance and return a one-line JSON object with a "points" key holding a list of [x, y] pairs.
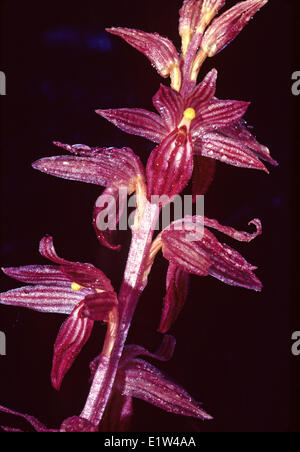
{"points": [[133, 284]]}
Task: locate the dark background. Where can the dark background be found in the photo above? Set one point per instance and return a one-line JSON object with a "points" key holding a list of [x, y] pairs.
{"points": [[233, 345]]}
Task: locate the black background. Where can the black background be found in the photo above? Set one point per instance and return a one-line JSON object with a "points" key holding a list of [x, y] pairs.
{"points": [[233, 346]]}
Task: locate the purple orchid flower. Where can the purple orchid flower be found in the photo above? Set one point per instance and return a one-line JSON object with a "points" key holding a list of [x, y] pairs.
{"points": [[80, 290], [215, 126]]}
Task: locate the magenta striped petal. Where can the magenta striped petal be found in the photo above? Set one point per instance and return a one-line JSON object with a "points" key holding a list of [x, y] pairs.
{"points": [[38, 274], [117, 165], [159, 50], [193, 12], [213, 6], [85, 275], [82, 169], [97, 306], [107, 167], [189, 16], [72, 336], [231, 268], [241, 236], [217, 114], [137, 121], [177, 289], [170, 165], [222, 262], [186, 254], [169, 104], [142, 380], [56, 300], [240, 132], [227, 150], [227, 26], [202, 93]]}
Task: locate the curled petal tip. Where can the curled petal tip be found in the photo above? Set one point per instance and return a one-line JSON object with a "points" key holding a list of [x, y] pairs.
{"points": [[257, 224]]}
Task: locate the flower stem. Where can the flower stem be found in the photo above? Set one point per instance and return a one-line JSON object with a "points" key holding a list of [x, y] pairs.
{"points": [[133, 284]]}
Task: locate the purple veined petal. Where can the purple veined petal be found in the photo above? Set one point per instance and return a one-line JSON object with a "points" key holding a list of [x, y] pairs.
{"points": [[82, 169], [38, 274], [242, 236], [97, 306], [184, 253], [47, 250], [77, 424], [227, 26], [118, 414], [177, 290], [119, 165], [159, 50], [203, 93], [141, 380], [84, 274], [107, 213], [108, 166], [71, 338], [196, 14], [88, 276], [137, 121], [52, 299], [203, 175], [223, 262], [227, 150], [189, 16], [231, 268], [217, 114], [169, 104], [170, 165], [36, 424], [240, 132], [164, 352]]}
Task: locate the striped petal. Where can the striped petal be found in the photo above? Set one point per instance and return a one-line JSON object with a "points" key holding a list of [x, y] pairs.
{"points": [[217, 114], [240, 132], [85, 275], [177, 289], [52, 299], [170, 166], [203, 92], [97, 306], [227, 26], [105, 167], [72, 336], [38, 274], [169, 104], [117, 165], [207, 256], [142, 380], [159, 50], [137, 121], [227, 150]]}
